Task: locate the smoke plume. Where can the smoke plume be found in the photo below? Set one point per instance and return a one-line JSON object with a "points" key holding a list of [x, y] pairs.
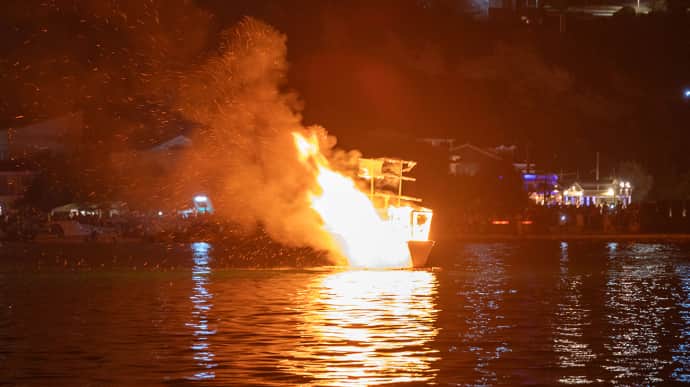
{"points": [[244, 153]]}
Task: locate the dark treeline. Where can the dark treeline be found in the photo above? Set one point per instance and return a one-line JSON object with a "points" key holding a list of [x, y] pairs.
{"points": [[397, 68]]}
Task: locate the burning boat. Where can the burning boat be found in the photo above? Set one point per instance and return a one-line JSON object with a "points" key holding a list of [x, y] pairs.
{"points": [[369, 227], [403, 213]]}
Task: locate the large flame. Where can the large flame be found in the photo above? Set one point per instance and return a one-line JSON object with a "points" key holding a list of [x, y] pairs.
{"points": [[359, 233]]}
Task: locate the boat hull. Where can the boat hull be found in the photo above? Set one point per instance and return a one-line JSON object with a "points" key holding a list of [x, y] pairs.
{"points": [[419, 252]]}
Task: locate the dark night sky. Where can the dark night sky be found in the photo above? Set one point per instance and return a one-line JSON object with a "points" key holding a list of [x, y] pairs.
{"points": [[418, 68]]}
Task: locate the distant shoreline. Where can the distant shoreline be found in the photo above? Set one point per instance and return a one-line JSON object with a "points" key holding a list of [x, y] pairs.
{"points": [[563, 236], [460, 237]]}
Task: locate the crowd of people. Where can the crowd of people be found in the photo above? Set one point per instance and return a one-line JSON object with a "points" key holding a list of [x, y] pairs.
{"points": [[635, 218], [550, 219], [592, 219]]}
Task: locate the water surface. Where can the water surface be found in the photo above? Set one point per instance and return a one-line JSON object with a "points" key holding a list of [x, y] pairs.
{"points": [[540, 312]]}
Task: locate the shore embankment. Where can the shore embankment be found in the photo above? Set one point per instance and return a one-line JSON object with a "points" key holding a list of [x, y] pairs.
{"points": [[475, 237]]}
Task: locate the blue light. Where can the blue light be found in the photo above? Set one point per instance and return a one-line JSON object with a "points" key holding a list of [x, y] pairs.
{"points": [[553, 179], [686, 93], [202, 204]]}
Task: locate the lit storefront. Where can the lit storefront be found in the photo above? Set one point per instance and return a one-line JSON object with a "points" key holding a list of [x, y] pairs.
{"points": [[617, 192], [543, 188]]}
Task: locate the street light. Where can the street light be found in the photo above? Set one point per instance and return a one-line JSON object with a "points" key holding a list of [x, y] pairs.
{"points": [[686, 93]]}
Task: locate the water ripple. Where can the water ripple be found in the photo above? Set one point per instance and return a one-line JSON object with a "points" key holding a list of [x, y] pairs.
{"points": [[537, 313]]}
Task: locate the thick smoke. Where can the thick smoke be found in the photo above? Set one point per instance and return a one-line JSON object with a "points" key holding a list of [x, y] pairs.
{"points": [[244, 154], [141, 71]]}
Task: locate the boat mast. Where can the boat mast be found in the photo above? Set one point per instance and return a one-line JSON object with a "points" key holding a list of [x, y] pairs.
{"points": [[400, 180], [368, 168]]}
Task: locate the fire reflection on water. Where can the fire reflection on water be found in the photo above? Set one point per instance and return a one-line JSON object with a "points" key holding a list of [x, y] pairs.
{"points": [[202, 303], [368, 327]]}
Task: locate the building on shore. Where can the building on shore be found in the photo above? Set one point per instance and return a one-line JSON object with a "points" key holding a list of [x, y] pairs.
{"points": [[542, 187], [18, 146], [15, 179], [55, 135], [469, 160], [614, 192], [444, 142], [15, 176]]}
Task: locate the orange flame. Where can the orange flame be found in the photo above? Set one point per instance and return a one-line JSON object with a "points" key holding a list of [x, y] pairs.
{"points": [[359, 233]]}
